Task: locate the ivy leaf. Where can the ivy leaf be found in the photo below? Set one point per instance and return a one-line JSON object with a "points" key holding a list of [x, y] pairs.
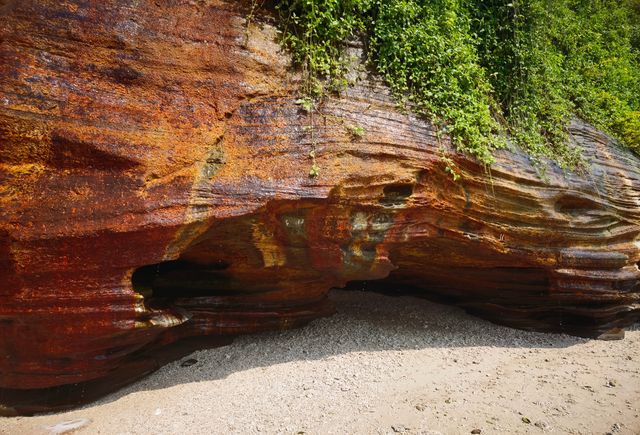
{"points": [[306, 103]]}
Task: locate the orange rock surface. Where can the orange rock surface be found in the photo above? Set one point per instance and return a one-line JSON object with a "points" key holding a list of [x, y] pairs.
{"points": [[154, 187]]}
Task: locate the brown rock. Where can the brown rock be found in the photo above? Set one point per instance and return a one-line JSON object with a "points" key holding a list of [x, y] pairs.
{"points": [[154, 189]]}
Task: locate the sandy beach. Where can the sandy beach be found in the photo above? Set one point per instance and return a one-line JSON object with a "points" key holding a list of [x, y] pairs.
{"points": [[380, 365]]}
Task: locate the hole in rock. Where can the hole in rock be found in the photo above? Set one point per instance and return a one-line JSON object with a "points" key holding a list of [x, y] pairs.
{"points": [[396, 194], [179, 278], [575, 205]]}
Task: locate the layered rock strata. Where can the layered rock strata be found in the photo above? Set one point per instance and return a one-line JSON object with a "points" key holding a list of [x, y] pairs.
{"points": [[154, 188]]}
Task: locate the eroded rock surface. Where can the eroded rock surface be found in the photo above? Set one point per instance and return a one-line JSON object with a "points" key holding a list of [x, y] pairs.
{"points": [[154, 188]]}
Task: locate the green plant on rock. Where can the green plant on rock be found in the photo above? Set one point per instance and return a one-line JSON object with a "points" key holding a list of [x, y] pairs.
{"points": [[316, 33], [484, 70], [355, 131], [628, 129]]}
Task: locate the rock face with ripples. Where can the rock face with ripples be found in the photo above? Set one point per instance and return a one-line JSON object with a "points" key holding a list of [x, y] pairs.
{"points": [[154, 188]]}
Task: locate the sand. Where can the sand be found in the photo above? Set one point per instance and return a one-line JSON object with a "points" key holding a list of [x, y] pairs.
{"points": [[380, 365]]}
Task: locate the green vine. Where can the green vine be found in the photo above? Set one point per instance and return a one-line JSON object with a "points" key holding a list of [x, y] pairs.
{"points": [[483, 70]]}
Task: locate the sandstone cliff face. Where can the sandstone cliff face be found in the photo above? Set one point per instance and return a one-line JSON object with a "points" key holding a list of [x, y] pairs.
{"points": [[154, 186]]}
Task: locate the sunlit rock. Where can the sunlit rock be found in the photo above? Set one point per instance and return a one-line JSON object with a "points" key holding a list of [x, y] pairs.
{"points": [[155, 190]]}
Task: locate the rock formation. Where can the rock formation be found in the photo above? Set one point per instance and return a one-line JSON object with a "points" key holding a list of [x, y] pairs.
{"points": [[155, 188]]}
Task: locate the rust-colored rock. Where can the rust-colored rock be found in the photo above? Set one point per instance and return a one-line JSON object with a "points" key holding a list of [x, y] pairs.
{"points": [[154, 189]]}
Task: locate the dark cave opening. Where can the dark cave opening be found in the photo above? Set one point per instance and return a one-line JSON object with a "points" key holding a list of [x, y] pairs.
{"points": [[396, 194], [180, 279], [522, 297]]}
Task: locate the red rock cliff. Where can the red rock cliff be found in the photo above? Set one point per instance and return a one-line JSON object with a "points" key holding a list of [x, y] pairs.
{"points": [[154, 186]]}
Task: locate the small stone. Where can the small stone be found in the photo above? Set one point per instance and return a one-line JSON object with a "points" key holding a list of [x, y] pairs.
{"points": [[476, 431], [611, 383], [399, 428], [525, 420], [188, 363], [420, 407], [541, 424]]}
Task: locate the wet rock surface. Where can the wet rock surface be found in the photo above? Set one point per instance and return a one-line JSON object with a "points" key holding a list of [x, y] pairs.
{"points": [[155, 198]]}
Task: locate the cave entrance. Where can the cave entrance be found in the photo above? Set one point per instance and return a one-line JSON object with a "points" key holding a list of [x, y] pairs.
{"points": [[180, 279]]}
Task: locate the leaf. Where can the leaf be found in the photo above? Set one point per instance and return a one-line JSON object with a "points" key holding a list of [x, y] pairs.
{"points": [[314, 172], [306, 103]]}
